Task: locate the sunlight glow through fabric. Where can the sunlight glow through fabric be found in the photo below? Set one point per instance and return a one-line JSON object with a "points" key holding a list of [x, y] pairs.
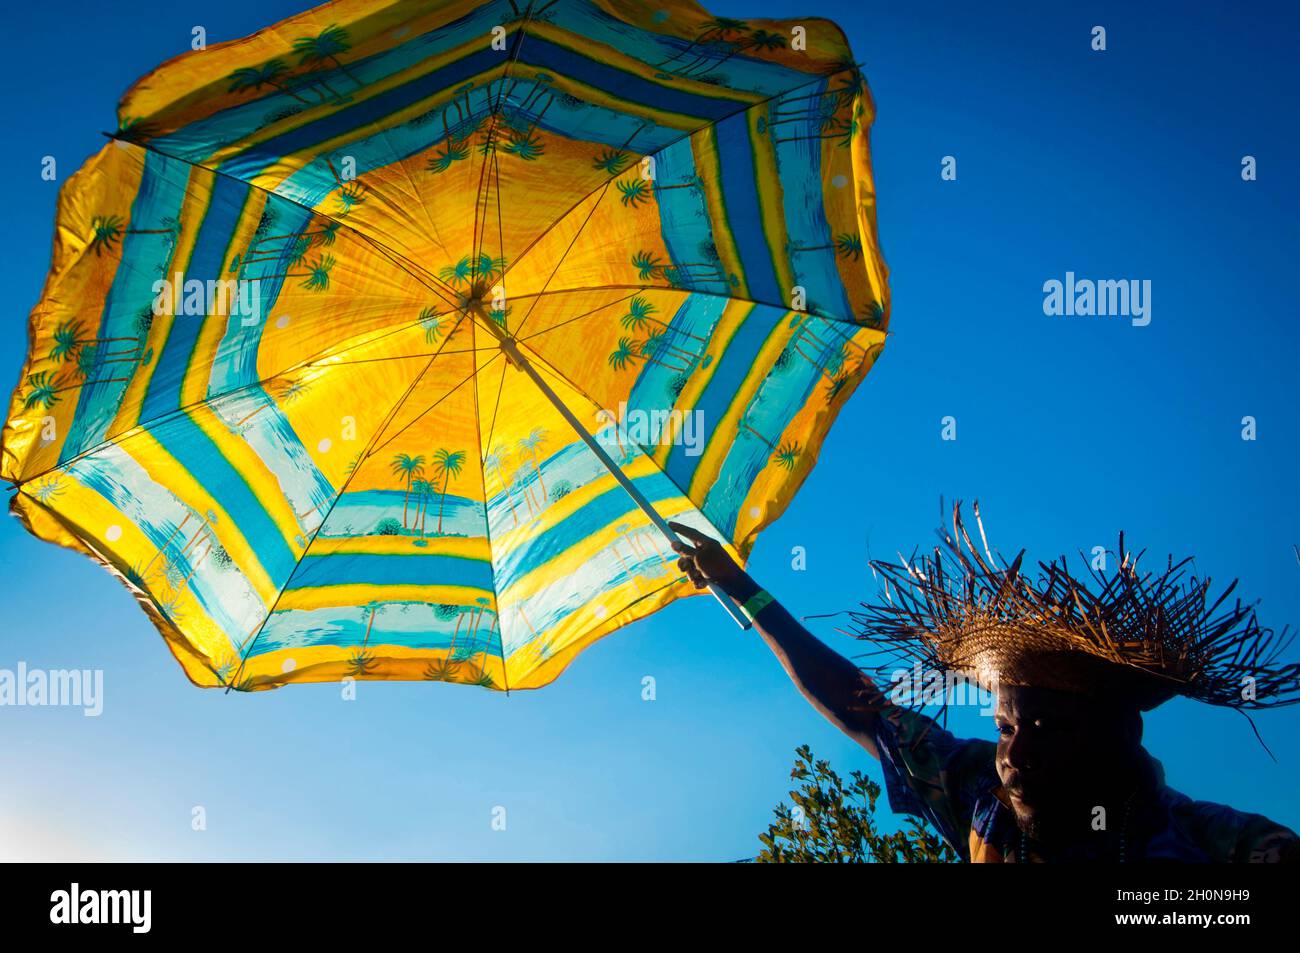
{"points": [[266, 383]]}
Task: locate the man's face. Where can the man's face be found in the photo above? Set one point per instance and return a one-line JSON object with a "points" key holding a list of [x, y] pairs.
{"points": [[1057, 753]]}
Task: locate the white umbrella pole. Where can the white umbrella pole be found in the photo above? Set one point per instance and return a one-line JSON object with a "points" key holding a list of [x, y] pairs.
{"points": [[518, 360]]}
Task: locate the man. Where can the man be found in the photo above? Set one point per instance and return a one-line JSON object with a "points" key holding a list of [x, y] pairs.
{"points": [[1068, 778]]}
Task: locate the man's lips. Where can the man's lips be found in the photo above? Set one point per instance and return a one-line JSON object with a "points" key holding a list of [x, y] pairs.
{"points": [[1018, 792]]}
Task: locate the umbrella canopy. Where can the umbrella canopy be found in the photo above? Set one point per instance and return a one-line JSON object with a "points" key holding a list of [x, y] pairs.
{"points": [[323, 314]]}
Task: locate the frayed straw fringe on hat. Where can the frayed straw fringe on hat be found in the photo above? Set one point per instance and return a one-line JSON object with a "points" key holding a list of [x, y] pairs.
{"points": [[1137, 638]]}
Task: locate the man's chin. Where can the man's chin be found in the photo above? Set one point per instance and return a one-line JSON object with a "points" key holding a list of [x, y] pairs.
{"points": [[1028, 818]]}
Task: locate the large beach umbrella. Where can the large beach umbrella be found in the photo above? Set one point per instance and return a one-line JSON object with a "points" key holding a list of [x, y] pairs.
{"points": [[383, 343]]}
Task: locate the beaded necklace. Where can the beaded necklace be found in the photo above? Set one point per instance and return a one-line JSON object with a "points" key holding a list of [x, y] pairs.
{"points": [[1022, 855]]}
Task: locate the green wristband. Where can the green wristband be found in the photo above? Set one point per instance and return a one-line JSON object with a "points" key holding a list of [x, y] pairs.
{"points": [[756, 604]]}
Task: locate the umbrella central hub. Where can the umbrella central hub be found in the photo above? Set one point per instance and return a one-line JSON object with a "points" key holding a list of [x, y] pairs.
{"points": [[478, 303], [475, 299]]}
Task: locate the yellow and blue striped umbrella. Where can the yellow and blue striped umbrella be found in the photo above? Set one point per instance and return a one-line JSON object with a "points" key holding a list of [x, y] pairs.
{"points": [[323, 312]]}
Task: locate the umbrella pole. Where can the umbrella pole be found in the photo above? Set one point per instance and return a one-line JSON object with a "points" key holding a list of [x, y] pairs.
{"points": [[516, 358]]}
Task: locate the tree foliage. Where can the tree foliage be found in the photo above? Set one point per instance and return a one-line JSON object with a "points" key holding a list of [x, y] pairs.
{"points": [[831, 822]]}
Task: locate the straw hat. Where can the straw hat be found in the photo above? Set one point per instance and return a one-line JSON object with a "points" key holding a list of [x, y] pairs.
{"points": [[1137, 638]]}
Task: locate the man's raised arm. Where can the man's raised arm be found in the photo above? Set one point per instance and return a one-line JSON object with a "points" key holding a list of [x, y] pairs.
{"points": [[832, 683]]}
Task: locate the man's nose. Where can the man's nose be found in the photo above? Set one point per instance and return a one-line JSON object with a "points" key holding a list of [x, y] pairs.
{"points": [[1019, 752]]}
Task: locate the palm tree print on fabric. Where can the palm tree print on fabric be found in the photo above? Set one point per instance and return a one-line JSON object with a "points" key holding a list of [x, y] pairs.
{"points": [[447, 465], [634, 192], [323, 51], [688, 275], [409, 469], [784, 455], [317, 275], [611, 161], [719, 29], [450, 154], [294, 245], [361, 663], [86, 354], [43, 390], [664, 345], [107, 231], [846, 246], [495, 464], [253, 78], [473, 267], [722, 39], [530, 445]]}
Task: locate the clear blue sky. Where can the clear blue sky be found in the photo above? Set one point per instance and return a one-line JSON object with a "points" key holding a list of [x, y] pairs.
{"points": [[1123, 164]]}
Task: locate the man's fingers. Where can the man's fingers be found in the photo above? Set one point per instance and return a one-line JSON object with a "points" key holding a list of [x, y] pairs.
{"points": [[692, 572], [690, 532], [688, 563]]}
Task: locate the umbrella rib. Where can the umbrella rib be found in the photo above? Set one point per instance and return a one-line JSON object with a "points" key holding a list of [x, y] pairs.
{"points": [[414, 191], [411, 357], [415, 271], [501, 235], [481, 193], [577, 317], [695, 291], [565, 254], [685, 291], [419, 274], [403, 263], [142, 425], [556, 372], [831, 321], [487, 518], [831, 324], [410, 423], [604, 185], [560, 375], [501, 386], [821, 77], [365, 454]]}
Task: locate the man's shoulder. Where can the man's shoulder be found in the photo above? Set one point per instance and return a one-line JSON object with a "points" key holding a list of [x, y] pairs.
{"points": [[909, 729], [1228, 835]]}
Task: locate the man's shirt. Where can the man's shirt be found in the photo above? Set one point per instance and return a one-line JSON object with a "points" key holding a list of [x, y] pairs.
{"points": [[953, 784]]}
